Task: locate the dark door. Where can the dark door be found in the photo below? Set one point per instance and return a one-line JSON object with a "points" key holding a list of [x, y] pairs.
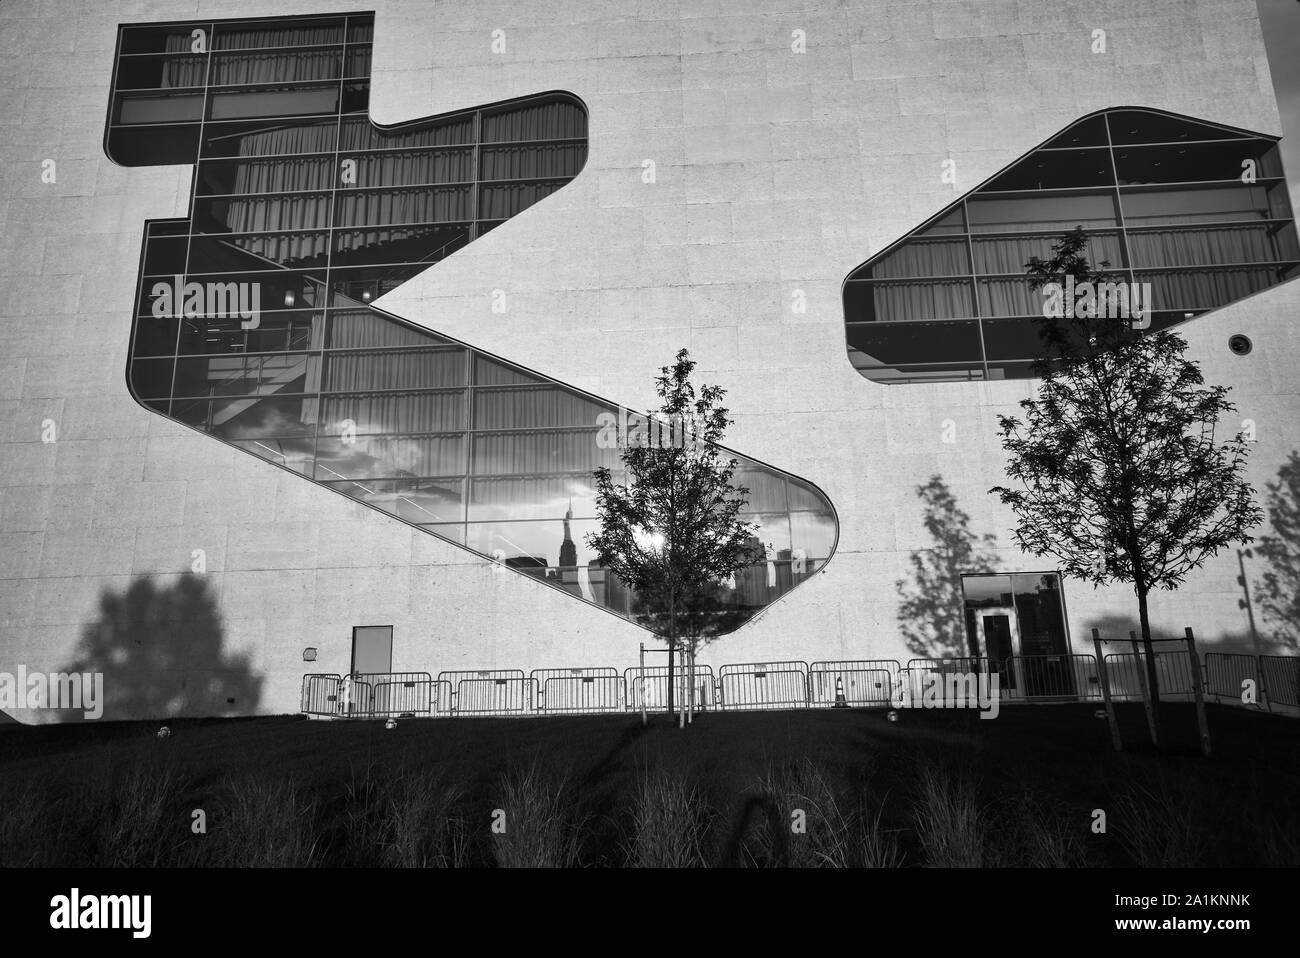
{"points": [[998, 646]]}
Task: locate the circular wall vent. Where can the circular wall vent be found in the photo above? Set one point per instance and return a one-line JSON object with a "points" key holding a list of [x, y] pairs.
{"points": [[1239, 344]]}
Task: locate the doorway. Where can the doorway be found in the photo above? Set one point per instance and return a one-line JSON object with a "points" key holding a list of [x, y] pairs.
{"points": [[998, 632], [1018, 621]]}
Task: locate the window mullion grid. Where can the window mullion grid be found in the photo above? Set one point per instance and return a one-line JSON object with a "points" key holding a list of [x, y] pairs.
{"points": [[1118, 194], [326, 316], [974, 288], [189, 237]]}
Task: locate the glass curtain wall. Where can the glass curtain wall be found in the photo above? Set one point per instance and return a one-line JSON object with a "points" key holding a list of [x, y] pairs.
{"points": [[299, 199], [1199, 211]]}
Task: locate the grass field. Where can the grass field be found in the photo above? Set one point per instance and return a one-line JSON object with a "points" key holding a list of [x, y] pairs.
{"points": [[796, 788]]}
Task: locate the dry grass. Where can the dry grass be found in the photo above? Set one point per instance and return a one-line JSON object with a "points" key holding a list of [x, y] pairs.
{"points": [[533, 824], [21, 810], [671, 823], [814, 820], [266, 824], [419, 827], [952, 826], [1038, 833], [1157, 827]]}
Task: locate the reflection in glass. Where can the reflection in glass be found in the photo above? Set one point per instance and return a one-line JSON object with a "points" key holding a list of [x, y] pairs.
{"points": [[462, 445]]}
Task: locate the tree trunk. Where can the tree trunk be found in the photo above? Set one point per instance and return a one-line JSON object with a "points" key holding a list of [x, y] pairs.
{"points": [[690, 684], [1153, 688], [672, 646], [672, 651]]}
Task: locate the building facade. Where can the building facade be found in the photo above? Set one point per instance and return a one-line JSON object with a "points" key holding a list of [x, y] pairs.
{"points": [[474, 229]]}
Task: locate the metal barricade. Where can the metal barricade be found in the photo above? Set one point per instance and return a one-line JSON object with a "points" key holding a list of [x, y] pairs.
{"points": [[454, 677], [656, 687], [403, 694], [1127, 675], [763, 685], [495, 696], [1061, 678], [946, 681], [795, 684], [1281, 679], [1226, 674], [580, 694], [322, 694], [865, 681], [575, 690]]}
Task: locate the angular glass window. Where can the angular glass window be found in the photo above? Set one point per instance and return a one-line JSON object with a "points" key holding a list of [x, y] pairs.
{"points": [[1198, 210], [305, 212]]}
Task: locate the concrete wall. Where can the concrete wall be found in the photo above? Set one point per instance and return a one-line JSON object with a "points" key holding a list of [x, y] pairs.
{"points": [[776, 171]]}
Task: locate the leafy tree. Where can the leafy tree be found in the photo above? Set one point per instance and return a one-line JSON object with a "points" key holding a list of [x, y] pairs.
{"points": [[1120, 474], [932, 612], [1280, 597], [672, 530]]}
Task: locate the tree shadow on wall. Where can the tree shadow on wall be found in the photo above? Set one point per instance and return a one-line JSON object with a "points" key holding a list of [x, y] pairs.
{"points": [[160, 650], [932, 613], [1117, 631], [1278, 594]]}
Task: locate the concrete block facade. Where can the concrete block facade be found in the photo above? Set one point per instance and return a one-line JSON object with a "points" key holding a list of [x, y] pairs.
{"points": [[776, 172]]}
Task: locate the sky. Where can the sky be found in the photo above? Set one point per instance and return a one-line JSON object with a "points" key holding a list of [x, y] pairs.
{"points": [[1281, 22]]}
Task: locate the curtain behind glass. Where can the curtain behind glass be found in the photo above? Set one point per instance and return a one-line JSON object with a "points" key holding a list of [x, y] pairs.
{"points": [[438, 205], [545, 121], [1205, 289], [1011, 254], [919, 301], [404, 369], [275, 36], [278, 213], [1230, 244], [298, 66], [316, 138], [924, 258], [191, 69], [539, 453], [413, 413]]}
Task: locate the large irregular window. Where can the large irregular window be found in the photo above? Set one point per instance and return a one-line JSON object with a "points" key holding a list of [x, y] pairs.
{"points": [[1198, 211], [254, 316]]}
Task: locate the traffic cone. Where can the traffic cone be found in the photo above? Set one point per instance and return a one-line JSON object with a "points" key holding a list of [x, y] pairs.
{"points": [[840, 701]]}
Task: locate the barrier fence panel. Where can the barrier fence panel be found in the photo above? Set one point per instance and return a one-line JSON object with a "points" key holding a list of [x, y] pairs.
{"points": [[453, 679], [578, 694], [866, 681], [408, 694], [565, 695], [944, 680], [504, 696], [656, 687], [1282, 679], [443, 696], [1127, 673], [358, 698], [1043, 677], [760, 685], [793, 684], [1227, 672], [322, 694]]}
